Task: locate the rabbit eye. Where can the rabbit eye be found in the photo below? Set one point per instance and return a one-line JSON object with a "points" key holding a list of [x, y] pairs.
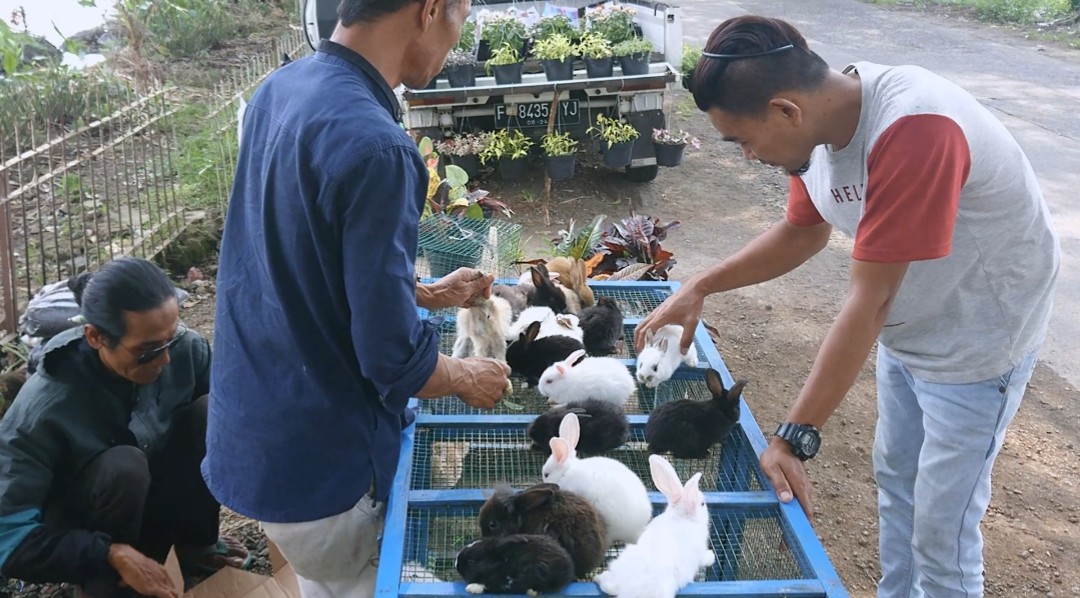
{"points": [[655, 367], [492, 525]]}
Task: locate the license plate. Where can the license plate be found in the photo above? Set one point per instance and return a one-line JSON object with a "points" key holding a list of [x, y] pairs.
{"points": [[535, 114]]}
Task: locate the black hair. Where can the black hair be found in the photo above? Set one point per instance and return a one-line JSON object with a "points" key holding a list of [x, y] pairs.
{"points": [[365, 11], [125, 284], [744, 86]]}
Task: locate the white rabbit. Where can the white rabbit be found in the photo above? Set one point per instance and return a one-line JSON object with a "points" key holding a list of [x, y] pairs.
{"points": [[660, 358], [481, 329], [673, 547], [551, 324], [579, 378], [616, 492]]}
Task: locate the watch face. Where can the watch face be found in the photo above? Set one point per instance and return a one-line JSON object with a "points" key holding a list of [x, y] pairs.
{"points": [[809, 443]]}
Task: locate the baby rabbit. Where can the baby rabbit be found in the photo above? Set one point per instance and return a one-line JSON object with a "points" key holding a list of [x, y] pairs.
{"points": [[673, 548], [546, 509], [687, 428], [616, 492], [560, 299], [603, 426], [573, 275], [660, 358], [515, 564], [551, 324], [580, 377], [482, 328], [602, 326], [529, 356], [517, 296]]}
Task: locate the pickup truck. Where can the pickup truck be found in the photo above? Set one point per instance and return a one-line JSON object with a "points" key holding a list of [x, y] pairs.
{"points": [[440, 110]]}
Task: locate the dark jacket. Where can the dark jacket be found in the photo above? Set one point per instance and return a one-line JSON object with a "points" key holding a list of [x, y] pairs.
{"points": [[69, 412]]}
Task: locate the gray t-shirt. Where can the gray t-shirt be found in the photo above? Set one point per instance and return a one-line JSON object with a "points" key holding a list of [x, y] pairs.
{"points": [[931, 177]]}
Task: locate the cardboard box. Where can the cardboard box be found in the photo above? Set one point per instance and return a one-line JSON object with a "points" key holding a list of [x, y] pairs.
{"points": [[234, 583]]}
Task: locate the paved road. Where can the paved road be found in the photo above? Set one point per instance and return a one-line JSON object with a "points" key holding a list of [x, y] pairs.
{"points": [[1034, 90]]}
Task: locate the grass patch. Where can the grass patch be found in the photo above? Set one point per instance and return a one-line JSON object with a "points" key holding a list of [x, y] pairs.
{"points": [[1014, 12]]}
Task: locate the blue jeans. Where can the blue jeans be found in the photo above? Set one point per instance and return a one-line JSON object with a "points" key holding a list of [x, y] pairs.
{"points": [[933, 451]]}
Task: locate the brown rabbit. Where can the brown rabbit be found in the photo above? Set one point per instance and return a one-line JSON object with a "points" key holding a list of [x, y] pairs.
{"points": [[573, 275]]}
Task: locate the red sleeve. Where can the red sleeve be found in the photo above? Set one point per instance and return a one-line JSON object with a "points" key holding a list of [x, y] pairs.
{"points": [[914, 176], [800, 210]]}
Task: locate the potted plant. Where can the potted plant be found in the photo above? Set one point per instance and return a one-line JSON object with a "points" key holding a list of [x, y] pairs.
{"points": [[499, 29], [670, 144], [556, 24], [509, 149], [464, 150], [460, 68], [634, 55], [596, 50], [560, 154], [506, 64], [690, 57], [613, 22], [616, 140], [556, 53]]}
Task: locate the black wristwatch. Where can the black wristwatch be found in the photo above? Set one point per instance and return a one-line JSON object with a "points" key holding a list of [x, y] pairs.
{"points": [[805, 440]]}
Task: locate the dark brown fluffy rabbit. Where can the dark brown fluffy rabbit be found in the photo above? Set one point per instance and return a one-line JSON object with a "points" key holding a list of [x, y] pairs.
{"points": [[515, 564], [545, 509], [688, 428]]}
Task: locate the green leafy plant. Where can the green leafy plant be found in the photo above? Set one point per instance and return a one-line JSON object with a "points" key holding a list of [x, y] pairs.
{"points": [[633, 47], [636, 240], [613, 131], [467, 41], [595, 46], [559, 144], [580, 244], [554, 25], [554, 47], [502, 29], [690, 57], [505, 143], [504, 55], [450, 195], [613, 22]]}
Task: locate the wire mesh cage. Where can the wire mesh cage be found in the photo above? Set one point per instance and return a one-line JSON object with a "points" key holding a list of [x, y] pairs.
{"points": [[448, 243], [749, 543], [446, 458]]}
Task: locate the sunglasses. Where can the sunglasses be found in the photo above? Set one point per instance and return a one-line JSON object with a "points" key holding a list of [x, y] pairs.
{"points": [[147, 356]]}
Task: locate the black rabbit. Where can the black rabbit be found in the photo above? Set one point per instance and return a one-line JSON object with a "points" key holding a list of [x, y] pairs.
{"points": [[603, 426], [529, 356], [602, 326], [545, 509], [688, 428], [550, 293], [515, 564]]}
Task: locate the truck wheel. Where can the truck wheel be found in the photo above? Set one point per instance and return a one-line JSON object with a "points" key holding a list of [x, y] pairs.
{"points": [[642, 174]]}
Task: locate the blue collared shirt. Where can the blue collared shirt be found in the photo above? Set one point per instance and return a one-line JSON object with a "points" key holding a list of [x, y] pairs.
{"points": [[317, 343]]}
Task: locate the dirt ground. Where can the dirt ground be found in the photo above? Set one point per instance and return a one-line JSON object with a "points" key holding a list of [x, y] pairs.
{"points": [[769, 336]]}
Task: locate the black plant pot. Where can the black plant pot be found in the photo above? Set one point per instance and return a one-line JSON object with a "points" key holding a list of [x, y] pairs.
{"points": [[618, 155], [635, 64], [470, 164], [599, 67], [560, 168], [483, 51], [668, 154], [461, 76], [559, 70], [507, 74], [512, 169]]}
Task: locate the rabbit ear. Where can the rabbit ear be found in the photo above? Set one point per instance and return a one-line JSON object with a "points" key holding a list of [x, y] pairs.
{"points": [[537, 277], [576, 357], [715, 384], [559, 368], [663, 345], [692, 494], [665, 478], [570, 429], [649, 337], [560, 450], [537, 496], [735, 393], [532, 331]]}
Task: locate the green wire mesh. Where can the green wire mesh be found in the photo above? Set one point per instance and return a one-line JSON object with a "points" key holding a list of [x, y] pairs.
{"points": [[447, 458], [750, 544], [448, 243]]}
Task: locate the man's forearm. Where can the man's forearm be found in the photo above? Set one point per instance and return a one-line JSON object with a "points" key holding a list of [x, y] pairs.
{"points": [[448, 378], [774, 253]]}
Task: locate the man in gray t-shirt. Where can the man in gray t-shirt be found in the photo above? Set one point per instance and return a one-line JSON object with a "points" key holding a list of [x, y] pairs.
{"points": [[953, 272]]}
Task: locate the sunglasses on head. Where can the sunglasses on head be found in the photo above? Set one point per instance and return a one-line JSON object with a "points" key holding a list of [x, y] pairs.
{"points": [[147, 356]]}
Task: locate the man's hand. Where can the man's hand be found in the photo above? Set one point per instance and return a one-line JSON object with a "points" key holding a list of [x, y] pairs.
{"points": [[788, 476], [487, 382], [141, 573], [462, 288], [683, 307]]}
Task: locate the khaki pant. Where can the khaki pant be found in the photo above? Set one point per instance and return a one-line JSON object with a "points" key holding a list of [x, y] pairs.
{"points": [[335, 557]]}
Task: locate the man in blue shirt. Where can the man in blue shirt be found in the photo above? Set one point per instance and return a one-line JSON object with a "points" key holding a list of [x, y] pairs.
{"points": [[317, 345]]}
